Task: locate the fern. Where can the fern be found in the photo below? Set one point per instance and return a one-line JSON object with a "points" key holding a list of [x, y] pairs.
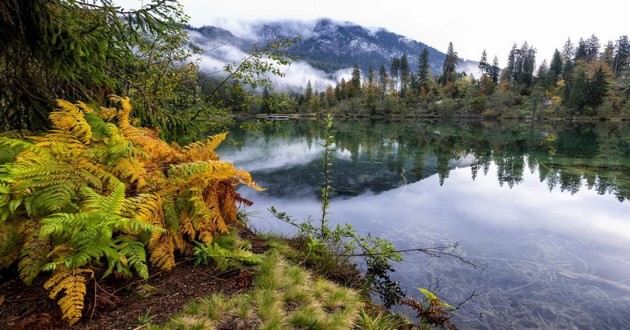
{"points": [[72, 284], [224, 258], [96, 195]]}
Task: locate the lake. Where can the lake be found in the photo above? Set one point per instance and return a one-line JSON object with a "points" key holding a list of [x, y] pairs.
{"points": [[540, 207]]}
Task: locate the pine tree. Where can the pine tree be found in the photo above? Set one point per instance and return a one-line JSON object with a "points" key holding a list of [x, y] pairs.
{"points": [[382, 74], [622, 55], [608, 55], [266, 100], [308, 92], [394, 73], [581, 52], [496, 71], [483, 63], [423, 67], [542, 74], [356, 81], [450, 63], [592, 48], [567, 59], [511, 63], [598, 87], [555, 68], [404, 75]]}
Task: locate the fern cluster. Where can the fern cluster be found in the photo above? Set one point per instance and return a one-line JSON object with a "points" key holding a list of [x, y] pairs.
{"points": [[96, 195]]}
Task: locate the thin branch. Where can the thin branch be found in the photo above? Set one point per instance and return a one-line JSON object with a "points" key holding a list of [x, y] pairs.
{"points": [[435, 252], [472, 295]]}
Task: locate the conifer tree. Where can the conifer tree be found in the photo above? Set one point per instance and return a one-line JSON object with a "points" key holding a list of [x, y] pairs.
{"points": [[382, 73], [622, 55], [483, 63], [308, 92], [496, 71], [404, 75], [450, 63], [608, 55], [356, 80], [394, 72], [423, 66], [555, 68]]}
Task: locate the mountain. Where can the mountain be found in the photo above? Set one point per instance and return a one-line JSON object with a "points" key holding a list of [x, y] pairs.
{"points": [[324, 44]]}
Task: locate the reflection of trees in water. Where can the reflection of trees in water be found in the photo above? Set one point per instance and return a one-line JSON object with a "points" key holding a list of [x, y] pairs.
{"points": [[383, 156]]}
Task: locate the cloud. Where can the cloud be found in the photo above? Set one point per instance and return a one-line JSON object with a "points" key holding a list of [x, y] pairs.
{"points": [[215, 55]]}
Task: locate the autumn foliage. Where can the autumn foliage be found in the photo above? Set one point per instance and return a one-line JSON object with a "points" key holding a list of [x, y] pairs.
{"points": [[96, 196]]}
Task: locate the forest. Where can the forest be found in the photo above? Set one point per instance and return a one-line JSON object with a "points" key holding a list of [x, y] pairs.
{"points": [[580, 82]]}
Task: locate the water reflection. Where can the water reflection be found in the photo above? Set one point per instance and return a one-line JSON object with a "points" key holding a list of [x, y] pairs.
{"points": [[538, 206]]}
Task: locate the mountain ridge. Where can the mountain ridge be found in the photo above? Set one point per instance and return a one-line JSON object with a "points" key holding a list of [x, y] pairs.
{"points": [[327, 45]]}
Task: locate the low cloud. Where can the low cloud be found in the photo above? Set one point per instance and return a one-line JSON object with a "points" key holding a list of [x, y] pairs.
{"points": [[215, 55]]}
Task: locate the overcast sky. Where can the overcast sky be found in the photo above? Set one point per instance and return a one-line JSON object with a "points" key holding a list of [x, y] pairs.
{"points": [[472, 26]]}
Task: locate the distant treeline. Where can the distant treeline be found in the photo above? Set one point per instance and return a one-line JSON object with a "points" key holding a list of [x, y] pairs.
{"points": [[582, 80]]}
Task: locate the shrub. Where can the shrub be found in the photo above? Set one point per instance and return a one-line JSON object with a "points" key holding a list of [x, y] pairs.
{"points": [[96, 195]]}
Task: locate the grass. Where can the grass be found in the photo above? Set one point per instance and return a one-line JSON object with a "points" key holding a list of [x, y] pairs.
{"points": [[284, 296]]}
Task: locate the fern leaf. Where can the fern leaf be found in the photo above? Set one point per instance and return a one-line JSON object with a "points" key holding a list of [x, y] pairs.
{"points": [[71, 284]]}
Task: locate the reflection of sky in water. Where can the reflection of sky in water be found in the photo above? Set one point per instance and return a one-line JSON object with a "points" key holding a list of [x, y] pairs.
{"points": [[551, 259]]}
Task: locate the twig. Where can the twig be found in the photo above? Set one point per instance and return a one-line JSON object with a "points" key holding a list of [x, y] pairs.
{"points": [[436, 252], [472, 295], [94, 304]]}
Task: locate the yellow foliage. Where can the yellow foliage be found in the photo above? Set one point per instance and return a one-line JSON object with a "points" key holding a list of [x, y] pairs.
{"points": [[72, 284], [96, 174]]}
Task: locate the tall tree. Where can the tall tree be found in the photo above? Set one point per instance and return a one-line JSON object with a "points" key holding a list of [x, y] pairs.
{"points": [[483, 63], [622, 55], [555, 68], [496, 70], [581, 52], [308, 92], [567, 59], [608, 55], [592, 48], [383, 80], [423, 66], [450, 64], [394, 72], [404, 75], [356, 81]]}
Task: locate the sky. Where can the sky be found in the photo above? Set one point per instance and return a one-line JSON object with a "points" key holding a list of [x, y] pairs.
{"points": [[472, 26]]}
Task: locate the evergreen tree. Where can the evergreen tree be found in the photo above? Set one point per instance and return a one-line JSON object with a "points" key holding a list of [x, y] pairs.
{"points": [[608, 55], [308, 92], [450, 63], [483, 63], [511, 63], [356, 81], [598, 87], [567, 59], [382, 74], [266, 105], [592, 48], [404, 75], [581, 52], [423, 66], [555, 68], [496, 71], [343, 89], [394, 72], [622, 55]]}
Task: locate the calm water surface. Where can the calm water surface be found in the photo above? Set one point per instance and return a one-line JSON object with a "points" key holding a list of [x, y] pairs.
{"points": [[542, 208]]}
